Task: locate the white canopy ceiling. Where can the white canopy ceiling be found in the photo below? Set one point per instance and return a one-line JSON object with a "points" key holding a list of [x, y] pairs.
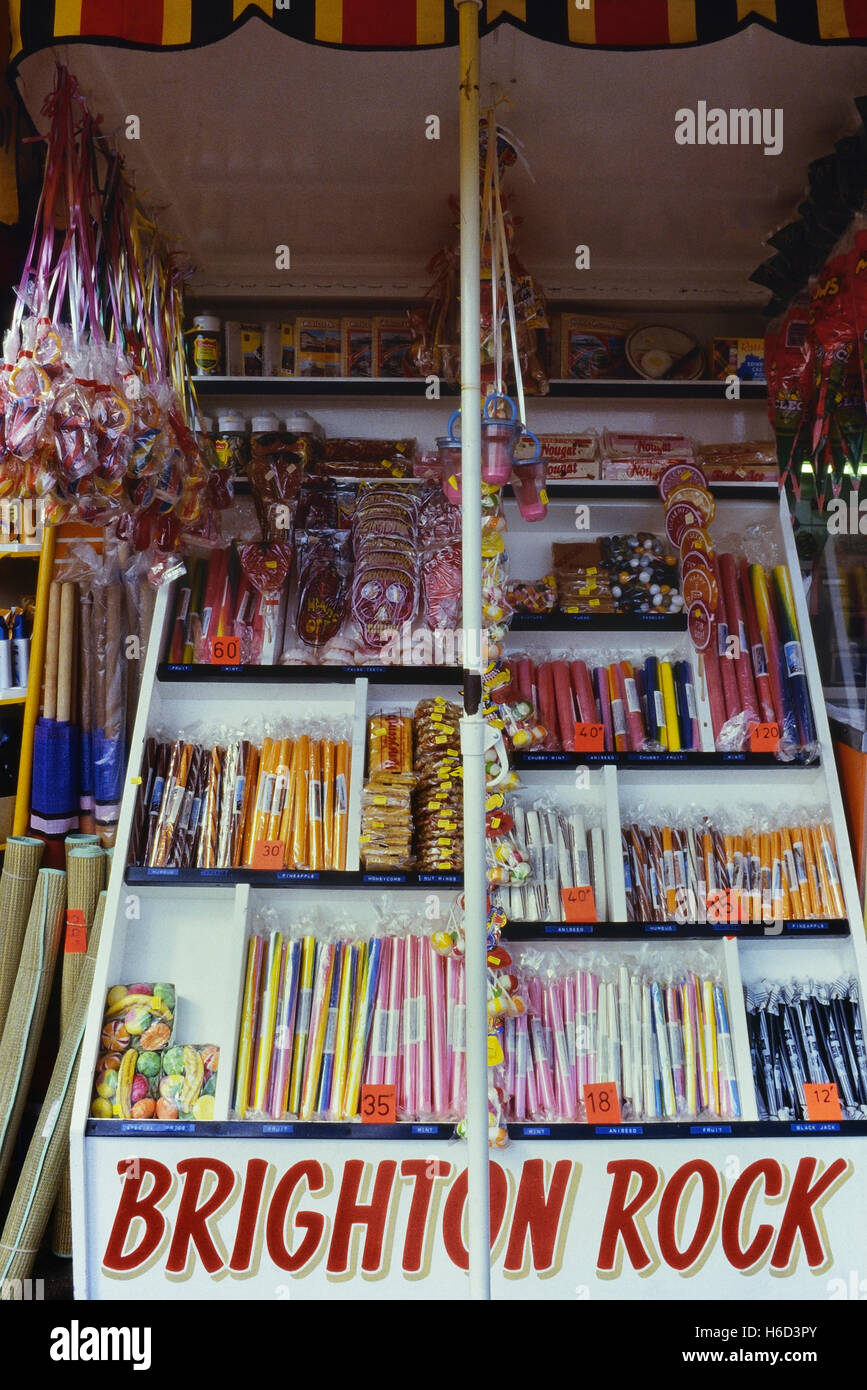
{"points": [[260, 141]]}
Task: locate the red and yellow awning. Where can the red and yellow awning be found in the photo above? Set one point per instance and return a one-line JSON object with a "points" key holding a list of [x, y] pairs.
{"points": [[385, 24]]}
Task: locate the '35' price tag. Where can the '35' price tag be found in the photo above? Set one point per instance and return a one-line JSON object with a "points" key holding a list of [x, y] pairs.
{"points": [[378, 1105]]}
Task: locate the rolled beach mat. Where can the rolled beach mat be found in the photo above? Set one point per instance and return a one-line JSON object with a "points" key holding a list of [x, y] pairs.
{"points": [[17, 881], [23, 1029], [84, 884], [76, 838], [48, 1154]]}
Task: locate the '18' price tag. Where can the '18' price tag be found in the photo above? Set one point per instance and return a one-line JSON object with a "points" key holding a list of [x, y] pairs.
{"points": [[378, 1105], [75, 941], [823, 1102], [268, 854], [579, 904], [602, 1103], [226, 651], [764, 738], [589, 738]]}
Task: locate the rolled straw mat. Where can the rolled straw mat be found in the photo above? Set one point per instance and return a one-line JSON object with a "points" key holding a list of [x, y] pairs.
{"points": [[48, 1153], [17, 881], [20, 1042]]}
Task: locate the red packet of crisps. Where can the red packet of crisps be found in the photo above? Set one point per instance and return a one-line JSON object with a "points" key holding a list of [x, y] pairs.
{"points": [[324, 570]]}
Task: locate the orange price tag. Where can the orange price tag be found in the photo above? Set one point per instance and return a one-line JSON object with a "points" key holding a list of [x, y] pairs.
{"points": [[579, 904], [589, 738], [268, 854], [602, 1103], [823, 1102], [75, 942], [721, 906], [378, 1105], [226, 651], [764, 738]]}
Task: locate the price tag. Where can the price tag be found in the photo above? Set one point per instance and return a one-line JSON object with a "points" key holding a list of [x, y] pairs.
{"points": [[764, 738], [75, 942], [721, 906], [579, 904], [589, 738], [378, 1105], [602, 1103], [226, 651], [268, 854], [823, 1102]]}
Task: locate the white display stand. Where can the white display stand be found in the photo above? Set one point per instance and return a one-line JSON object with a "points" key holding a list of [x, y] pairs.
{"points": [[230, 1209]]}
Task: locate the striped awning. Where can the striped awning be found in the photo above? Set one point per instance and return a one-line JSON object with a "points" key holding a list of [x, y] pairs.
{"points": [[397, 24]]}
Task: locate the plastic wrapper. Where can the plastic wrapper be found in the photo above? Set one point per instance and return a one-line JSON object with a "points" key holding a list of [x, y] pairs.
{"points": [[210, 803], [324, 573], [806, 1032], [738, 866], [653, 1024], [564, 849], [138, 1026], [385, 586]]}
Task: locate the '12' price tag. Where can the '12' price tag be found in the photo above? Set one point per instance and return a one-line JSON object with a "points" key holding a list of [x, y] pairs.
{"points": [[764, 738], [589, 738], [823, 1102], [75, 941], [378, 1105], [602, 1103], [579, 904], [268, 854], [226, 651]]}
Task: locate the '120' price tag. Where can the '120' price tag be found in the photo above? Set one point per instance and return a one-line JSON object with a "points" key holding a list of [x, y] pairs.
{"points": [[823, 1102], [602, 1103], [764, 738], [268, 854], [226, 651], [75, 941], [589, 738], [579, 904], [378, 1105]]}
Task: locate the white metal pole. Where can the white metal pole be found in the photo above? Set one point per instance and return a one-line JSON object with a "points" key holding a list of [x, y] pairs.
{"points": [[473, 726]]}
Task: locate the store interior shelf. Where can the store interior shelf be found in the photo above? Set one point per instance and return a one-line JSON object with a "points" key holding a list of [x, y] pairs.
{"points": [[418, 386], [598, 622], [284, 878], [289, 675], [694, 931], [14, 696], [691, 759], [405, 1131]]}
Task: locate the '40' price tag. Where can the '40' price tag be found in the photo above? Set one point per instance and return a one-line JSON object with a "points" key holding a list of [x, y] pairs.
{"points": [[589, 738], [764, 738], [579, 904], [378, 1105], [823, 1102], [268, 854], [602, 1103], [226, 651]]}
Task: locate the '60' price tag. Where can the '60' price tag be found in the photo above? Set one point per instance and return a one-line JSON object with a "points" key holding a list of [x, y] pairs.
{"points": [[226, 651], [378, 1105]]}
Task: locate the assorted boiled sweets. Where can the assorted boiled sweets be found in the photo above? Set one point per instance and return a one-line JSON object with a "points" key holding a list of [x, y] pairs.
{"points": [[141, 1073], [616, 574], [802, 1033]]}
